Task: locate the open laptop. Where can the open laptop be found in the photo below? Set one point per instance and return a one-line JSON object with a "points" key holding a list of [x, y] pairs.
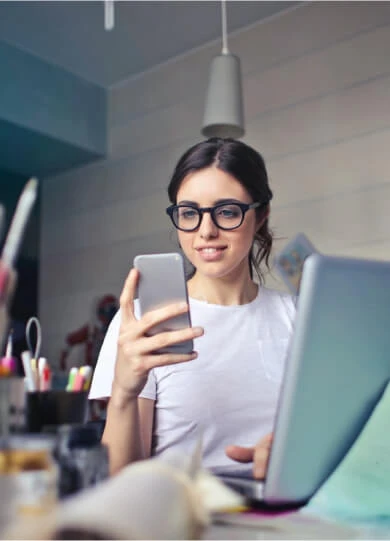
{"points": [[337, 368]]}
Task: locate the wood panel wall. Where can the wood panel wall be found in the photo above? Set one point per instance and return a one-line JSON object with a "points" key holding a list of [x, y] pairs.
{"points": [[317, 105]]}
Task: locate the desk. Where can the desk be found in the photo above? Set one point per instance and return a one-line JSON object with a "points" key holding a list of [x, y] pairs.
{"points": [[292, 525], [295, 525]]}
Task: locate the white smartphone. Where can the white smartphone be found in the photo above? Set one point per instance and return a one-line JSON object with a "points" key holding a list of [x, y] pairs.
{"points": [[162, 281]]}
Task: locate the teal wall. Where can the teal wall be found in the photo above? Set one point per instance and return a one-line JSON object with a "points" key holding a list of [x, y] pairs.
{"points": [[50, 119]]}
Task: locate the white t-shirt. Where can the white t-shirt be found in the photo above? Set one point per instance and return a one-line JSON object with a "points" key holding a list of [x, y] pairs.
{"points": [[229, 393]]}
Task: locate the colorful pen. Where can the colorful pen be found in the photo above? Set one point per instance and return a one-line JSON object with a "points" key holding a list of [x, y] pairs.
{"points": [[72, 375]]}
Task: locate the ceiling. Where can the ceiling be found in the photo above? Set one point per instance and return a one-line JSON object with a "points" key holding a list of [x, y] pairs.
{"points": [[71, 35]]}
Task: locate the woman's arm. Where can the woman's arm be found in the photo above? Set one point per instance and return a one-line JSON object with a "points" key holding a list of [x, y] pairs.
{"points": [[128, 430]]}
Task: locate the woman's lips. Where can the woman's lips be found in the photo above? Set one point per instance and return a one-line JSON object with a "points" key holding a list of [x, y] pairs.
{"points": [[211, 253]]}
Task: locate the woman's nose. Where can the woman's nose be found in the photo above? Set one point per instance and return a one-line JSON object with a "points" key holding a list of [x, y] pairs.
{"points": [[207, 228]]}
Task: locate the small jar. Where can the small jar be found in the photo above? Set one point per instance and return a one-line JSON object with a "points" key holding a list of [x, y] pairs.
{"points": [[82, 458], [28, 476]]}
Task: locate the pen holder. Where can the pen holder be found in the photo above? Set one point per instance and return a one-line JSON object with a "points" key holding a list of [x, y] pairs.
{"points": [[46, 410]]}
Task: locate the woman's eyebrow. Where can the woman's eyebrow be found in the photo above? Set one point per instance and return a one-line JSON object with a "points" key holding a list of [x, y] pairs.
{"points": [[216, 202], [226, 201], [189, 203]]}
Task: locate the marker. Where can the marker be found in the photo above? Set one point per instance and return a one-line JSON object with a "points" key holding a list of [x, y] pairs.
{"points": [[34, 369], [79, 380], [29, 375], [8, 350], [44, 374], [87, 374], [8, 363], [72, 375]]}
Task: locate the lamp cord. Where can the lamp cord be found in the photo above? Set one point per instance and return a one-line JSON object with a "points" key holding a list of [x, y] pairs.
{"points": [[225, 49]]}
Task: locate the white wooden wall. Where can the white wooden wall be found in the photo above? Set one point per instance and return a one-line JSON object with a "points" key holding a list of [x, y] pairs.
{"points": [[317, 104]]}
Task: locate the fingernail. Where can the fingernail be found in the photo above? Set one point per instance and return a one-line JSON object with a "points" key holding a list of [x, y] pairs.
{"points": [[198, 331], [183, 305]]}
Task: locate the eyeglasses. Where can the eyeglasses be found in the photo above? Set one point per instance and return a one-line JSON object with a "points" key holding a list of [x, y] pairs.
{"points": [[226, 216]]}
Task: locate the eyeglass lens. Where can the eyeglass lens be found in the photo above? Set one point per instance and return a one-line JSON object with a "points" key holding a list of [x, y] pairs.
{"points": [[226, 216]]}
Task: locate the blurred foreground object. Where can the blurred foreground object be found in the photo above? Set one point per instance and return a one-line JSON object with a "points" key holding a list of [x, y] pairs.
{"points": [[150, 499], [28, 477], [11, 249], [8, 280]]}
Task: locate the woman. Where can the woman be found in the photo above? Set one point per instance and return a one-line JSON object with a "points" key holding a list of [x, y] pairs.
{"points": [[227, 390]]}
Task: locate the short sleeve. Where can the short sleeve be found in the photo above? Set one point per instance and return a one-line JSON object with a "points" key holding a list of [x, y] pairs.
{"points": [[150, 388], [104, 372]]}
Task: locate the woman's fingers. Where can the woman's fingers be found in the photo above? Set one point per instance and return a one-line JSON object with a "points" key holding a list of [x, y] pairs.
{"points": [[164, 359], [260, 462], [137, 345], [165, 339], [154, 317], [259, 454], [240, 454], [126, 299], [148, 345], [143, 327], [135, 372]]}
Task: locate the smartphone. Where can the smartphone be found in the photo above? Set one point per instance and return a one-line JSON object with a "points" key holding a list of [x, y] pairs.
{"points": [[162, 281]]}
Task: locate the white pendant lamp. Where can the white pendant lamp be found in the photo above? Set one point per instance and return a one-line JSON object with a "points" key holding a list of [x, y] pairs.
{"points": [[224, 116], [108, 15]]}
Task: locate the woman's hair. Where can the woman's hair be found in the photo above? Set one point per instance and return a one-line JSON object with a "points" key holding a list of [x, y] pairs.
{"points": [[247, 166]]}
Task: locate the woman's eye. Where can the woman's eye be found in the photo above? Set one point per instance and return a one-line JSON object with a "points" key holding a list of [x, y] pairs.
{"points": [[228, 212], [189, 214]]}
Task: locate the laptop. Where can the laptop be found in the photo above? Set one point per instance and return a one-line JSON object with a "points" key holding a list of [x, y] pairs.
{"points": [[337, 368]]}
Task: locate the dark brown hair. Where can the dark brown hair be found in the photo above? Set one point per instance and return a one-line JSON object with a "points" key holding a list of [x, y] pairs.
{"points": [[247, 166]]}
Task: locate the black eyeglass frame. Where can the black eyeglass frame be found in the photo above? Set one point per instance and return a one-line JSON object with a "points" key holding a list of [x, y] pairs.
{"points": [[201, 210]]}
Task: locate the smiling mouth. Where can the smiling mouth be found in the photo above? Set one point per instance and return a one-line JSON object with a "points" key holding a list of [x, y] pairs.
{"points": [[210, 250]]}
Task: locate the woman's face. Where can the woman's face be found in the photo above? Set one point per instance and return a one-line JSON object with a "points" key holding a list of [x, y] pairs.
{"points": [[214, 252]]}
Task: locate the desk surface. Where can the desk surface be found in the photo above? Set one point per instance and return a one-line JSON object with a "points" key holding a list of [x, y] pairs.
{"points": [[292, 525]]}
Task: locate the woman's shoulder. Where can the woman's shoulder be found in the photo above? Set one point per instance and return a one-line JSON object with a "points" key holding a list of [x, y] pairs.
{"points": [[278, 298], [275, 293]]}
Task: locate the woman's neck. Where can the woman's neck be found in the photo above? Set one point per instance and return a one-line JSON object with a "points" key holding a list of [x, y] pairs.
{"points": [[222, 291]]}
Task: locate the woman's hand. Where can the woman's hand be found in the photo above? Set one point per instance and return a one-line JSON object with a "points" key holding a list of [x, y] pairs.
{"points": [[136, 357], [258, 454]]}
